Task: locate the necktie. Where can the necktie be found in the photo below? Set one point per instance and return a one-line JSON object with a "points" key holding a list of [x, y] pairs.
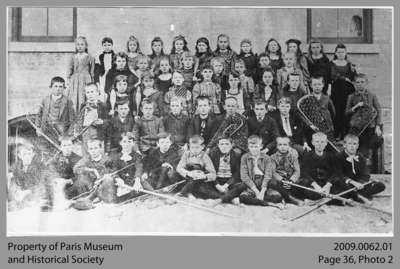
{"points": [[286, 126], [351, 159]]}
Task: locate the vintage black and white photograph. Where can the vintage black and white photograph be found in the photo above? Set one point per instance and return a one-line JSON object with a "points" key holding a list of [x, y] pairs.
{"points": [[199, 121]]}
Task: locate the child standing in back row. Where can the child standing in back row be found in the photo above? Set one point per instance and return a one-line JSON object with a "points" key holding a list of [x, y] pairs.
{"points": [[80, 72]]}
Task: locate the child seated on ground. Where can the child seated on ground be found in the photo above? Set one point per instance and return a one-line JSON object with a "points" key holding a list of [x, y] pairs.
{"points": [[354, 169], [62, 164], [256, 172], [92, 168], [285, 167], [160, 164], [198, 170], [120, 123], [130, 176], [56, 113], [29, 183], [319, 170], [227, 166], [176, 122], [147, 128]]}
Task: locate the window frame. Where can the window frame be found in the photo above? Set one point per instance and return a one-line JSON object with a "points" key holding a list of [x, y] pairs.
{"points": [[16, 28], [365, 39]]}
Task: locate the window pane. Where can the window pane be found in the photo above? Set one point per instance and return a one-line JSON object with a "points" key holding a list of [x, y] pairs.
{"points": [[34, 22], [324, 22], [60, 21], [351, 22]]}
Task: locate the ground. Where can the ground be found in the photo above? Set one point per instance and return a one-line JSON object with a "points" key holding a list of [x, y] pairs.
{"points": [[154, 216]]}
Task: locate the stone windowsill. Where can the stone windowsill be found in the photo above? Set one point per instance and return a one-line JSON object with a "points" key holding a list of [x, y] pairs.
{"points": [[41, 47], [70, 47]]}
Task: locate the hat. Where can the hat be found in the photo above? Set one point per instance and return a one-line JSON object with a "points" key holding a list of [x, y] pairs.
{"points": [[293, 40]]}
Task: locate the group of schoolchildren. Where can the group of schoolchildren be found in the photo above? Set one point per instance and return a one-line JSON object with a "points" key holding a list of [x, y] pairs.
{"points": [[156, 120]]}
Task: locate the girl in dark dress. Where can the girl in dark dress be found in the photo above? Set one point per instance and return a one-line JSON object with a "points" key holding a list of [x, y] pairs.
{"points": [[203, 54], [318, 63], [249, 58], [274, 52], [163, 80], [342, 75]]}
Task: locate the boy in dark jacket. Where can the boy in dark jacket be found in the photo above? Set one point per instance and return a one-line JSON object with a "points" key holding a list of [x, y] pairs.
{"points": [[159, 166], [354, 169], [227, 166], [176, 123], [121, 123], [319, 170], [264, 126]]}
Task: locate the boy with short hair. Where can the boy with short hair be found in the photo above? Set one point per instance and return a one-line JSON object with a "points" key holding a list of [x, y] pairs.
{"points": [[176, 123], [29, 181], [326, 104], [63, 162], [93, 117], [283, 74], [227, 167], [147, 128], [292, 89], [121, 123], [319, 170], [285, 167], [160, 165], [371, 139], [205, 123], [291, 125], [56, 113], [354, 169], [93, 167], [264, 126], [197, 168], [256, 172]]}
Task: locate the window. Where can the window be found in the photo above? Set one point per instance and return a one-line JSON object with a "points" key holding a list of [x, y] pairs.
{"points": [[351, 25], [43, 24]]}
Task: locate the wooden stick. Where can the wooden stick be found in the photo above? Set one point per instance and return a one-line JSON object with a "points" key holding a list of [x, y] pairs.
{"points": [[168, 197], [326, 200], [168, 188], [338, 197], [348, 201]]}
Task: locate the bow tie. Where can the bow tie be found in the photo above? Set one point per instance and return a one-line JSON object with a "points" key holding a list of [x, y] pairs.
{"points": [[225, 157], [351, 159], [107, 52]]}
